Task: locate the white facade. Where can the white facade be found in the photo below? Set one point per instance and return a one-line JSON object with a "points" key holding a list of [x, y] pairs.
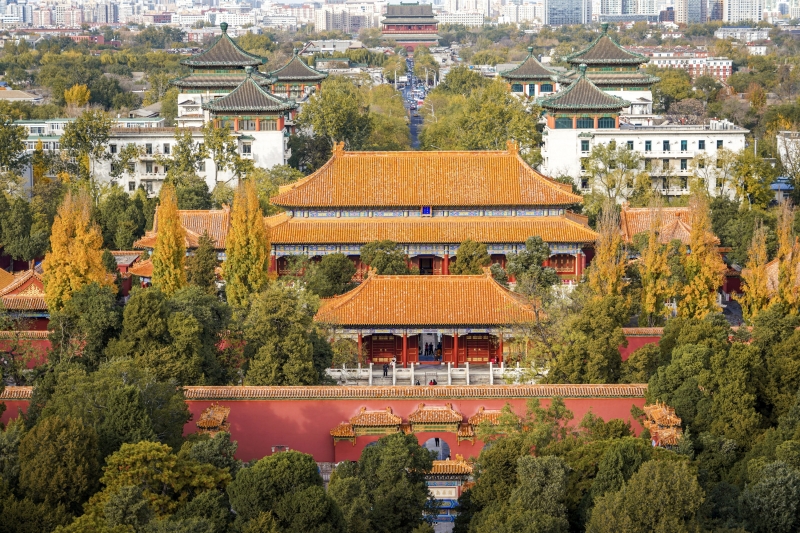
{"points": [[155, 143], [467, 19], [738, 10], [667, 151], [742, 34], [522, 13]]}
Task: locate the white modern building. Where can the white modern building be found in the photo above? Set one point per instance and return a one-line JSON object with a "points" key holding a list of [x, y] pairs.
{"points": [[464, 18]]}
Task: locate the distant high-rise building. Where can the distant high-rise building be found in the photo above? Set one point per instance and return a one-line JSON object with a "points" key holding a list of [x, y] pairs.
{"points": [[690, 11], [739, 10], [561, 12], [715, 9]]}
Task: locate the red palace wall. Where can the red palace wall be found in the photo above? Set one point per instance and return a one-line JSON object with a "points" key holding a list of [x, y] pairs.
{"points": [[638, 337], [304, 425]]}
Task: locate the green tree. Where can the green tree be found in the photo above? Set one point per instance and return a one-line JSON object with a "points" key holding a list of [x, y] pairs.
{"points": [[526, 266], [771, 503], [120, 218], [13, 155], [461, 80], [472, 257], [288, 486], [222, 147], [85, 140], [247, 251], [338, 113], [394, 66], [85, 325], [103, 400], [331, 276], [185, 158], [59, 462], [386, 257], [277, 330], [20, 236], [614, 172], [668, 486], [202, 265], [388, 482]]}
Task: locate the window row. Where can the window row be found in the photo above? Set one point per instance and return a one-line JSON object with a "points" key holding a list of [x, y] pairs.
{"points": [[585, 123]]}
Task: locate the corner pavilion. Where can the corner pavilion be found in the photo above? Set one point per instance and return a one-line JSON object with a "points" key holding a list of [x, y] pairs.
{"points": [[393, 317], [428, 203]]}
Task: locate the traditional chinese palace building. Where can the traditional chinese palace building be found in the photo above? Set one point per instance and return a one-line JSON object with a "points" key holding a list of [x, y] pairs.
{"points": [[465, 318], [410, 25], [616, 71], [428, 203]]}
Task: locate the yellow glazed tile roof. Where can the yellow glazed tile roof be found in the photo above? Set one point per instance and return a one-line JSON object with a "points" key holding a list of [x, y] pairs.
{"points": [[483, 415], [376, 418], [385, 392], [426, 300], [435, 414], [414, 179], [635, 220], [214, 221], [422, 230]]}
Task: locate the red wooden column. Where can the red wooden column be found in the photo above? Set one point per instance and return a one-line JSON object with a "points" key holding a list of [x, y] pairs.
{"points": [[360, 344], [500, 349], [455, 348], [273, 264], [405, 350], [446, 265]]}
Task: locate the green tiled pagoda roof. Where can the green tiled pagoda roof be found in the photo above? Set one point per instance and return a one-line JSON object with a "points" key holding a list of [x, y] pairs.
{"points": [[219, 81], [250, 97], [297, 70], [410, 20], [530, 69], [224, 53], [614, 78], [583, 95], [606, 51]]}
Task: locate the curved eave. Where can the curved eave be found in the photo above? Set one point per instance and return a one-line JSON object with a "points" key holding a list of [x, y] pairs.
{"points": [[556, 107], [248, 109], [542, 77], [299, 78], [591, 62]]}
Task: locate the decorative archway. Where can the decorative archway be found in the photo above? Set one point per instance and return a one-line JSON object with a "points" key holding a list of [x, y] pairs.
{"points": [[438, 445]]}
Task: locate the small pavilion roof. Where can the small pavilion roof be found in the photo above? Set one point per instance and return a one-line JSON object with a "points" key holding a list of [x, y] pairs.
{"points": [[24, 293], [224, 53], [143, 269], [422, 230], [435, 414], [381, 418], [426, 300], [297, 70], [606, 51], [419, 178], [249, 96], [451, 467], [195, 222], [675, 222], [582, 94], [530, 69]]}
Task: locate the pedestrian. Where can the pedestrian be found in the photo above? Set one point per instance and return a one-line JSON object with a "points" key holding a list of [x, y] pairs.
{"points": [[431, 383], [435, 382], [385, 370], [417, 383]]}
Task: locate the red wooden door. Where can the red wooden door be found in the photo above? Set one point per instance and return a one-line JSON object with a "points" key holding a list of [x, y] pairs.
{"points": [[382, 348], [477, 348]]}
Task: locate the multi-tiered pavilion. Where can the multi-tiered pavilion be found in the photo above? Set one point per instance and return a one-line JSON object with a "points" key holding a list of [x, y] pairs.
{"points": [[410, 25], [616, 71], [428, 203], [464, 319]]}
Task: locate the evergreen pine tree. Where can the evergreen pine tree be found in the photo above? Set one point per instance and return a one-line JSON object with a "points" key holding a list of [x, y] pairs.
{"points": [[788, 260], [75, 258], [472, 257], [247, 251], [201, 265], [755, 297], [169, 257], [703, 265]]}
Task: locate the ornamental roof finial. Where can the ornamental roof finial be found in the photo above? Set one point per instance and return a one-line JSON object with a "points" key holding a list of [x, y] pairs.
{"points": [[338, 148], [530, 50], [224, 27], [512, 147], [249, 70], [604, 26], [582, 68], [294, 51]]}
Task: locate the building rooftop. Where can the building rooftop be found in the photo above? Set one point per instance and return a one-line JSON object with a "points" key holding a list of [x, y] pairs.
{"points": [[422, 230], [583, 94], [635, 220], [426, 300], [249, 96], [605, 51], [24, 293], [420, 178], [224, 53], [530, 69], [196, 222], [297, 70]]}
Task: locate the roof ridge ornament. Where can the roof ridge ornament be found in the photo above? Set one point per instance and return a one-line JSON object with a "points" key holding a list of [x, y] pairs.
{"points": [[530, 51], [249, 71], [582, 68], [224, 27], [512, 147], [338, 148], [604, 27]]}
